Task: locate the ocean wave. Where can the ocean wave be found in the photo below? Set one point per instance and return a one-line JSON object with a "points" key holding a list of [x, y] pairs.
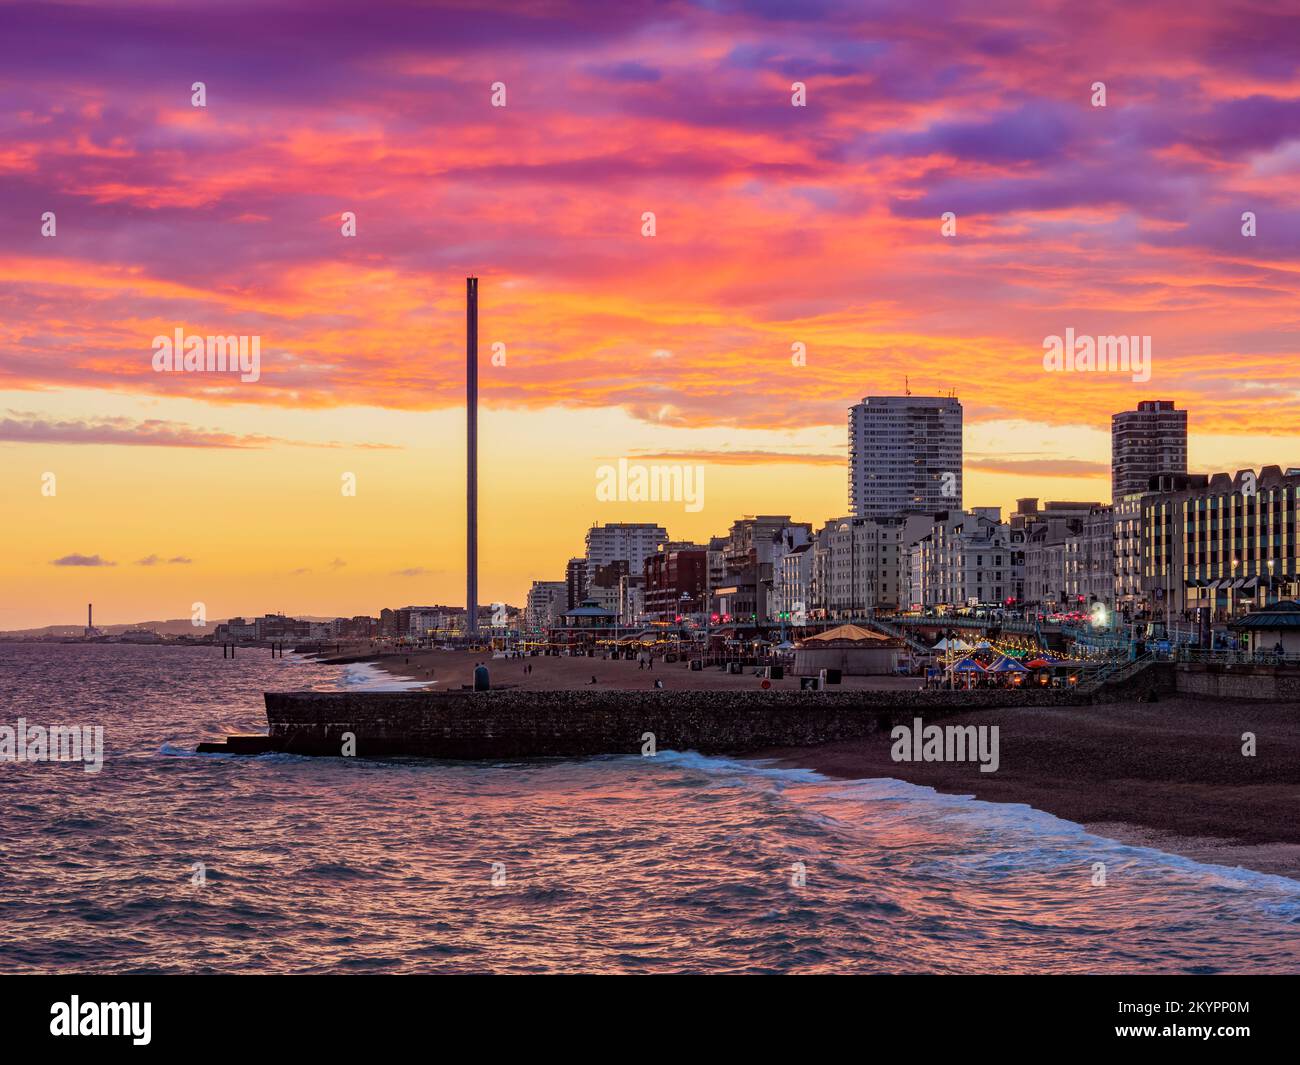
{"points": [[680, 862], [1017, 823], [367, 677]]}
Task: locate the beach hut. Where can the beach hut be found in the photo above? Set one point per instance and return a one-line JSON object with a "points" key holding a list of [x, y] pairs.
{"points": [[851, 649]]}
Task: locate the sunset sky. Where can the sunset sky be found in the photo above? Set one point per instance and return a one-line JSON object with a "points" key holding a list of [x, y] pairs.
{"points": [[775, 225]]}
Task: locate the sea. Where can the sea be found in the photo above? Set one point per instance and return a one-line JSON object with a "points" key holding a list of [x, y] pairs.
{"points": [[167, 861]]}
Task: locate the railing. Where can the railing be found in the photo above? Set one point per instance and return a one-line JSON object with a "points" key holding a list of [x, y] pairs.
{"points": [[890, 629], [943, 621], [1094, 638], [1119, 670], [1227, 656]]}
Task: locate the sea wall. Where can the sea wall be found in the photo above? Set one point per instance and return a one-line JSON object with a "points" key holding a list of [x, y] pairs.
{"points": [[1221, 680], [520, 724], [1148, 685]]}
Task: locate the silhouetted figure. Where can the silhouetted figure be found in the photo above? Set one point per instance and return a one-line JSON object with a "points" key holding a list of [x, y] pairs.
{"points": [[480, 678]]}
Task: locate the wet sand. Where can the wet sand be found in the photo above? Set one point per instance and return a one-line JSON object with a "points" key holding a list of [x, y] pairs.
{"points": [[1169, 775]]}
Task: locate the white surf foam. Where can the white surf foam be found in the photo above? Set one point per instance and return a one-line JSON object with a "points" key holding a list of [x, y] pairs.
{"points": [[1034, 832], [367, 677]]}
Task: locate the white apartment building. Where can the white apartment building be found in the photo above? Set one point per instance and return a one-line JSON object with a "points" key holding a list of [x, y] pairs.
{"points": [[968, 557], [905, 455], [794, 584], [1064, 552], [546, 604], [630, 542], [861, 565], [793, 542], [425, 620], [1045, 567], [1090, 560], [1127, 559]]}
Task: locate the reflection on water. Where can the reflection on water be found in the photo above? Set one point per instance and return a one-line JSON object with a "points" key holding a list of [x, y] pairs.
{"points": [[665, 864]]}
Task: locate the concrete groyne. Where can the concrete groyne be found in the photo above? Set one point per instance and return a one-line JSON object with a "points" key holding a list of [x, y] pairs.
{"points": [[526, 723], [523, 724]]}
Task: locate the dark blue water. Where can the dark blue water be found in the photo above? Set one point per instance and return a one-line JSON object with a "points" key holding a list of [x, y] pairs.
{"points": [[677, 863]]}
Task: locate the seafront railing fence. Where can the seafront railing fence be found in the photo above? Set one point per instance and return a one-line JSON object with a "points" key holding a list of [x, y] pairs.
{"points": [[1229, 656], [1113, 672], [945, 621], [898, 633], [1109, 641]]}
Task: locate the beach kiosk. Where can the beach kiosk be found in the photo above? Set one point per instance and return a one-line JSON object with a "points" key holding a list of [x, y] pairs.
{"points": [[1271, 626]]}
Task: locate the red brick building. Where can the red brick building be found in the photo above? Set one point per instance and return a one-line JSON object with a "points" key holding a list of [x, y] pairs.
{"points": [[675, 583]]}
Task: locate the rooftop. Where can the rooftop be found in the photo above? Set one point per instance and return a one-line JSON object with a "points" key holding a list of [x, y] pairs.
{"points": [[1284, 615]]}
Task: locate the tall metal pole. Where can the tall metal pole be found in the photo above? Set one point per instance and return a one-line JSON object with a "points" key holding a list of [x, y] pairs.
{"points": [[471, 455]]}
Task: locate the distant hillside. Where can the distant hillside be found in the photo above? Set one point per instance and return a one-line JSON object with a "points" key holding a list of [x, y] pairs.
{"points": [[174, 627]]}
